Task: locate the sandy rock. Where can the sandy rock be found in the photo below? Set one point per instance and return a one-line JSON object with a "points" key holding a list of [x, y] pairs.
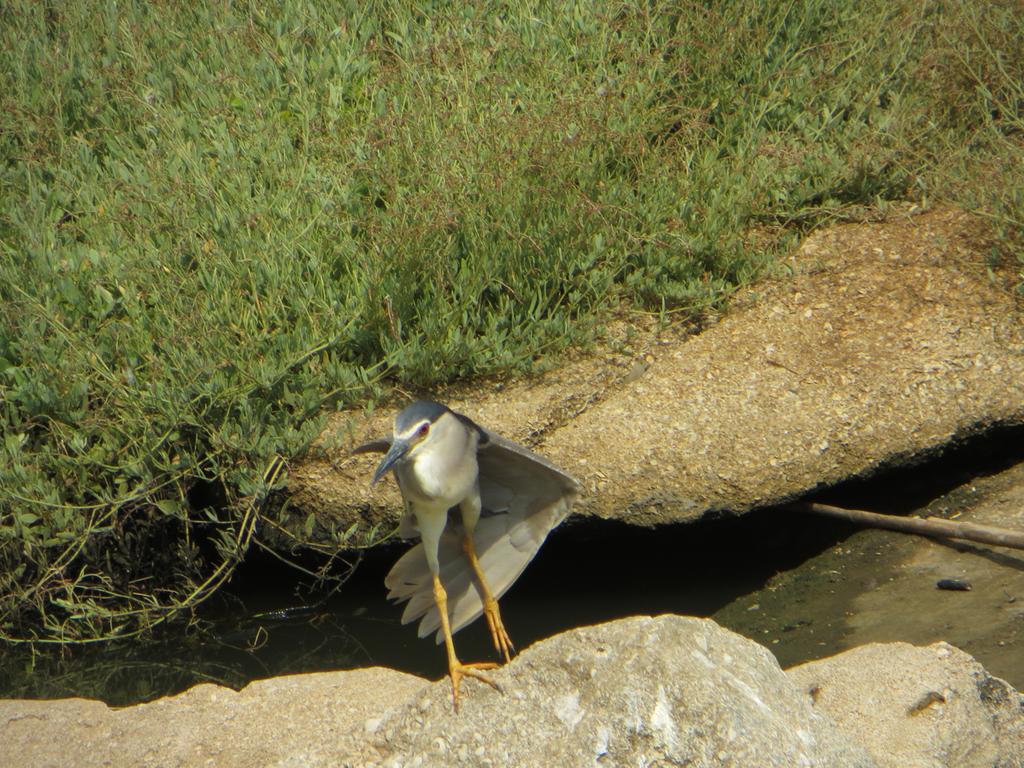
{"points": [[932, 707], [660, 691], [664, 691], [300, 720], [886, 342]]}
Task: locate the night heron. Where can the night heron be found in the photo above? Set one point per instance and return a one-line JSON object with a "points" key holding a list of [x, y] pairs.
{"points": [[482, 506]]}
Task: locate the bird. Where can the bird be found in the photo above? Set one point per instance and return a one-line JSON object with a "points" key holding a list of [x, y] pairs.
{"points": [[482, 506]]}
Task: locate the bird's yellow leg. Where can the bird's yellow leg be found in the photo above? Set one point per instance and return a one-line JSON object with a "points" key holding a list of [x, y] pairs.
{"points": [[456, 669], [502, 642]]}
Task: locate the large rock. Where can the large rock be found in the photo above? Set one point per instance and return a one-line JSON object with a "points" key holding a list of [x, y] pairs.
{"points": [[644, 691], [299, 720], [888, 341], [667, 691], [933, 707]]}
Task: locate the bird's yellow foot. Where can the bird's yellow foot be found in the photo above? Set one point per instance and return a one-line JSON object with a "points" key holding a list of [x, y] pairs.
{"points": [[457, 670], [502, 642]]}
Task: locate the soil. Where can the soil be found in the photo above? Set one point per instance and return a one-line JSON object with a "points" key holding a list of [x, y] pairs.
{"points": [[878, 343]]}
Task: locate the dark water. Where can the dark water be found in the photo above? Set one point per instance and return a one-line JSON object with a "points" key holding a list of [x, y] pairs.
{"points": [[587, 572]]}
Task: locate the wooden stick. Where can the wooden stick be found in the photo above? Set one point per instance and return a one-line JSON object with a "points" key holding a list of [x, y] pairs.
{"points": [[926, 526]]}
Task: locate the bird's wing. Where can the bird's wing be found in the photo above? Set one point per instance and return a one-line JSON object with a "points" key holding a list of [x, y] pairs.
{"points": [[524, 496]]}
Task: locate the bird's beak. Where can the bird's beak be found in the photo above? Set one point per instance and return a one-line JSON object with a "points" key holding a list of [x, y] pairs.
{"points": [[395, 453]]}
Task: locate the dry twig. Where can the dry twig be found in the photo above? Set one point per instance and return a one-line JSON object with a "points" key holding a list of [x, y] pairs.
{"points": [[928, 526]]}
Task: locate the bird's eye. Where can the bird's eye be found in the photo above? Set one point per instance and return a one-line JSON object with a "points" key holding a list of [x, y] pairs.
{"points": [[422, 431]]}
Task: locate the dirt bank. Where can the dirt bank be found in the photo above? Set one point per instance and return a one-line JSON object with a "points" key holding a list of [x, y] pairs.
{"points": [[883, 342]]}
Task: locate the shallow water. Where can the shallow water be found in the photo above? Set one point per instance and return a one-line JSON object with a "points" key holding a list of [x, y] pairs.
{"points": [[584, 574], [879, 586], [804, 586]]}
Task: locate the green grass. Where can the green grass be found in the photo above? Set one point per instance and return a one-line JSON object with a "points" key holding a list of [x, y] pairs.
{"points": [[217, 220]]}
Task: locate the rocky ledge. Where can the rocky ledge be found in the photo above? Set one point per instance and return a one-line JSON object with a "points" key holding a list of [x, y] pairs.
{"points": [[662, 691], [884, 342]]}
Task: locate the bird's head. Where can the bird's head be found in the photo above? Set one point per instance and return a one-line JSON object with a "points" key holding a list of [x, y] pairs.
{"points": [[411, 431]]}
